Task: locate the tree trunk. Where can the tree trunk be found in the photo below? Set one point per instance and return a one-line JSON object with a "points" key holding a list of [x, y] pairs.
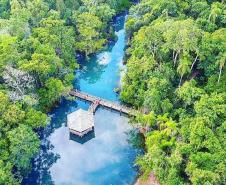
{"points": [[194, 62], [180, 80], [209, 17], [175, 59], [219, 77], [153, 54]]}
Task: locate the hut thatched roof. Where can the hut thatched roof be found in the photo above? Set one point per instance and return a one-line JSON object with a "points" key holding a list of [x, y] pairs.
{"points": [[80, 120]]}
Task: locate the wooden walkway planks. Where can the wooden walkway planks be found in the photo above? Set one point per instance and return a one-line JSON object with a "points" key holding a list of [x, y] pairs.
{"points": [[96, 101], [93, 107]]}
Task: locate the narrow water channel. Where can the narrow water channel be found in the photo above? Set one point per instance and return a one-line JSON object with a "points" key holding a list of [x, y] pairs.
{"points": [[103, 157]]}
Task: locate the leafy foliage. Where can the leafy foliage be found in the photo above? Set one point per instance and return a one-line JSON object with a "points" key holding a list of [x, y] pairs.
{"points": [[175, 72]]}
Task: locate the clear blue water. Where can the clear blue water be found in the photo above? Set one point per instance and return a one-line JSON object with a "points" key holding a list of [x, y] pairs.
{"points": [[103, 157]]}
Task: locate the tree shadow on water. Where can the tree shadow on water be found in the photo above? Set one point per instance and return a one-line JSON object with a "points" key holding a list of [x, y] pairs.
{"points": [[136, 139], [40, 173]]}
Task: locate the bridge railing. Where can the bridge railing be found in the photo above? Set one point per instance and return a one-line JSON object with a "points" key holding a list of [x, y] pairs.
{"points": [[103, 102]]}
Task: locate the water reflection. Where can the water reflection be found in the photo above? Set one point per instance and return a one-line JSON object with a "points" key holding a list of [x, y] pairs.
{"points": [[106, 159], [104, 58], [90, 135], [41, 165], [91, 65], [101, 80]]}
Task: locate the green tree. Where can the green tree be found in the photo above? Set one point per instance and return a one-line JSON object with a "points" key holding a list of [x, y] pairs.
{"points": [[89, 38], [35, 119], [4, 8], [52, 92], [4, 102], [18, 22], [160, 143], [38, 10], [189, 93], [6, 176], [8, 51], [13, 115], [216, 10], [184, 66], [24, 144]]}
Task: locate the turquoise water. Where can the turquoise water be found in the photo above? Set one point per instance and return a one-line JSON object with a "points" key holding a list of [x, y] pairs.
{"points": [[101, 74], [103, 157]]}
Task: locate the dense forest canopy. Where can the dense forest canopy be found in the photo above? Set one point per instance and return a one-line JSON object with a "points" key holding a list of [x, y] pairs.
{"points": [[176, 74], [39, 40]]}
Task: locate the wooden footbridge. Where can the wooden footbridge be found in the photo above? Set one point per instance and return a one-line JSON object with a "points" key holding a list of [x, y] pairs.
{"points": [[96, 101]]}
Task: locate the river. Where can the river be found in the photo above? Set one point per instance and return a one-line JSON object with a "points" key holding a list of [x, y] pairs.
{"points": [[103, 157]]}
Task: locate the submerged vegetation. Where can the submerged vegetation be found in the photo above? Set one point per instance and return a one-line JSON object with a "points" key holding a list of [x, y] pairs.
{"points": [[38, 44], [175, 58]]}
